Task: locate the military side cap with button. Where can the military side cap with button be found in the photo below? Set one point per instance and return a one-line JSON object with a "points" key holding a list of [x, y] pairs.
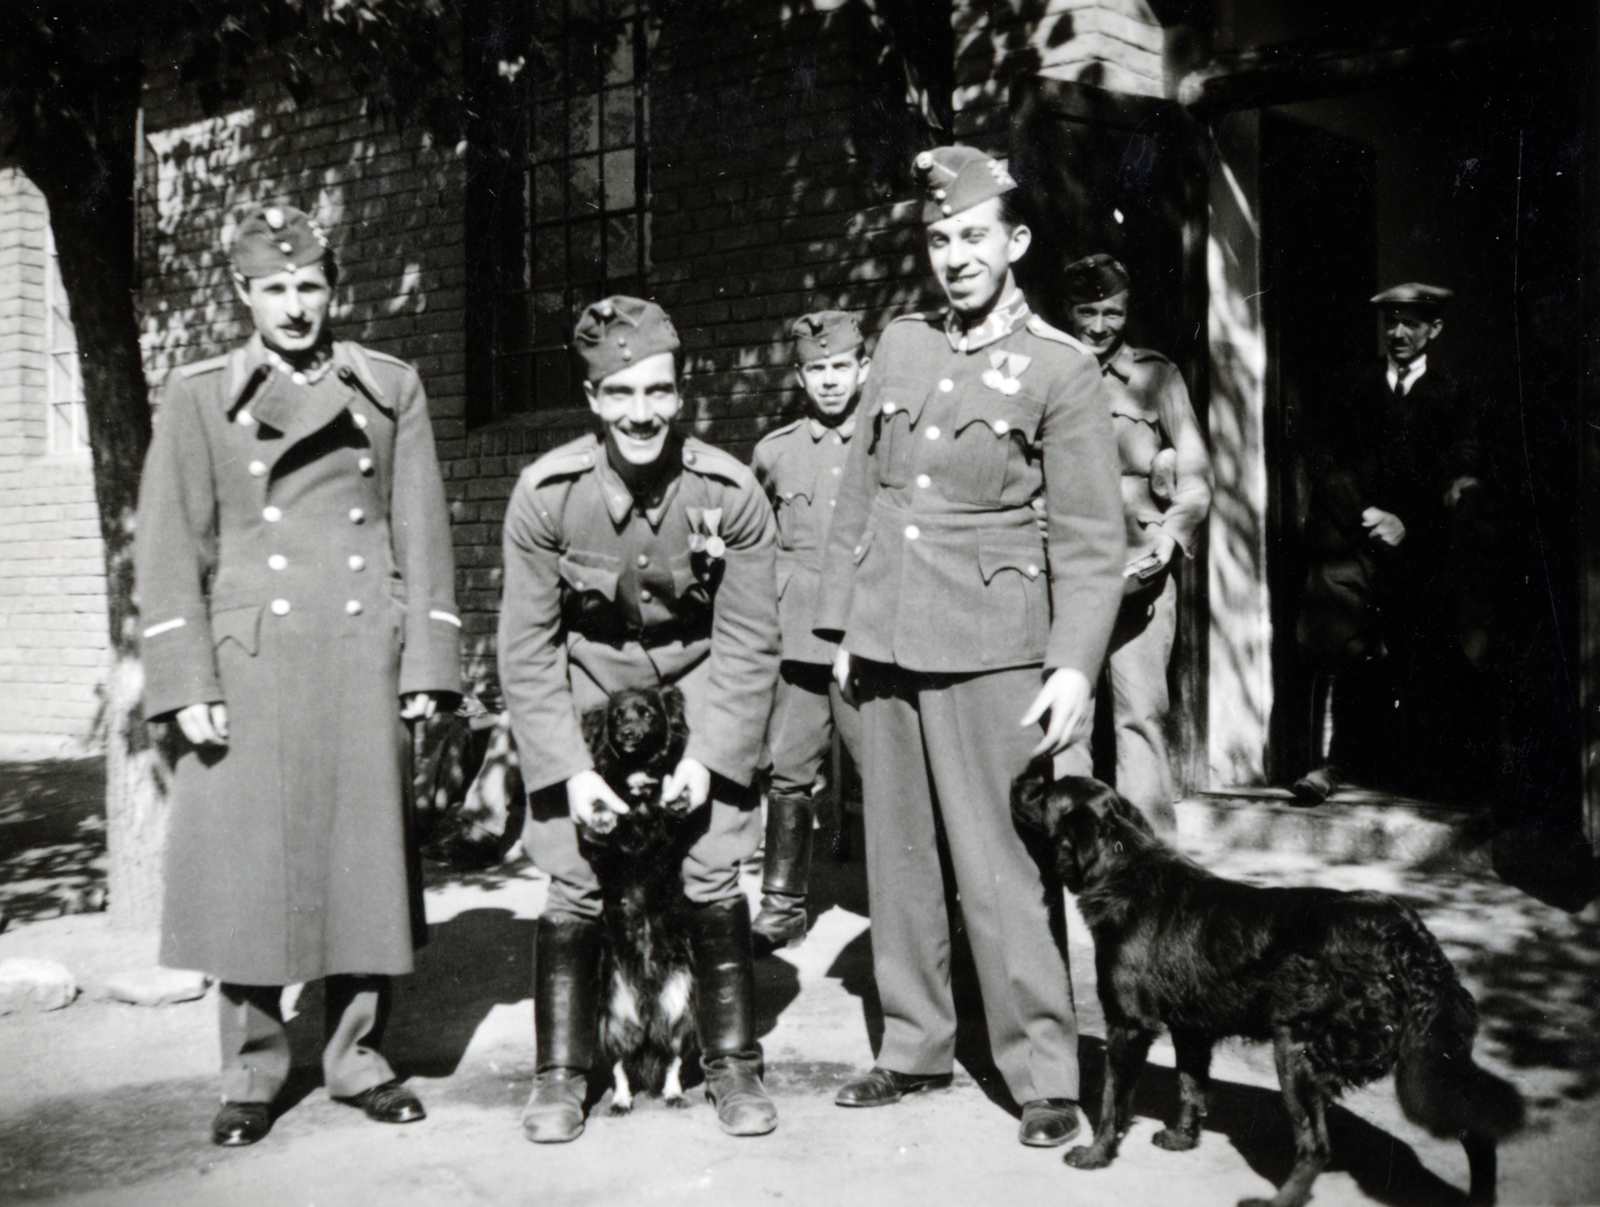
{"points": [[1094, 278], [621, 331], [276, 238], [1431, 298], [825, 333], [954, 179]]}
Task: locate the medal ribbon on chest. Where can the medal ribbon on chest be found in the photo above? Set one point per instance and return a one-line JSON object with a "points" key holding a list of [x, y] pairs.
{"points": [[1004, 369], [705, 531]]}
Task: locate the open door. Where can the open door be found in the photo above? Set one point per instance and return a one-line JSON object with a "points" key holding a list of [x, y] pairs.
{"points": [[1105, 172]]}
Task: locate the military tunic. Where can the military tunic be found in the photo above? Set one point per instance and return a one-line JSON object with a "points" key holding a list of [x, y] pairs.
{"points": [[603, 592], [936, 579], [1166, 487], [801, 466], [294, 563]]}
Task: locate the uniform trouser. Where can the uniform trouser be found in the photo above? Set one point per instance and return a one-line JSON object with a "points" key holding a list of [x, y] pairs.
{"points": [[255, 1042], [943, 750], [1141, 647], [732, 821], [807, 709]]}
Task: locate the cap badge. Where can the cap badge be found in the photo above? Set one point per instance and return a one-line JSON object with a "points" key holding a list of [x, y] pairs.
{"points": [[705, 531]]}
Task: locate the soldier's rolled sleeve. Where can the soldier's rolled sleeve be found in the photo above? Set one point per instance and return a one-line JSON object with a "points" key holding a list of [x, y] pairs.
{"points": [[175, 549], [1191, 501], [1084, 507], [532, 649], [420, 525], [849, 521], [744, 642]]}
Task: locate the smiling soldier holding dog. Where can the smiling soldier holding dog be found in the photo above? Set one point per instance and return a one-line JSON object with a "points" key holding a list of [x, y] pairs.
{"points": [[639, 559], [961, 636], [296, 585]]}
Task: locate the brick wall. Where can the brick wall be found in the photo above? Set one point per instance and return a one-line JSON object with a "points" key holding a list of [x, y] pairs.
{"points": [[53, 637]]}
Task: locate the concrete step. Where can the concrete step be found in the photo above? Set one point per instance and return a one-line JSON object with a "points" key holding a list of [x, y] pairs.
{"points": [[1351, 825]]}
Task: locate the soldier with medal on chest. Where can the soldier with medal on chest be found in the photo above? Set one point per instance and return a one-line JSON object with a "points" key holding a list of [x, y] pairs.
{"points": [[639, 558], [959, 636]]}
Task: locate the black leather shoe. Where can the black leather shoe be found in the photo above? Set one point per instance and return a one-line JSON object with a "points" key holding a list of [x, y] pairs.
{"points": [[241, 1123], [881, 1087], [1315, 787], [390, 1102], [1047, 1122]]}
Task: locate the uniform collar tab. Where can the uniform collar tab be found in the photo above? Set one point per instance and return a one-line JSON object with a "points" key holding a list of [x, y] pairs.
{"points": [[1000, 322]]}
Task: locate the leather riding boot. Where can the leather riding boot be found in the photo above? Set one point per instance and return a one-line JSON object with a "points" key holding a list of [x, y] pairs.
{"points": [[725, 987], [786, 870], [566, 994]]}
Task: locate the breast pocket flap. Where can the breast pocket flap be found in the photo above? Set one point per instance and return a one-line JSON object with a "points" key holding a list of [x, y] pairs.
{"points": [[591, 572]]}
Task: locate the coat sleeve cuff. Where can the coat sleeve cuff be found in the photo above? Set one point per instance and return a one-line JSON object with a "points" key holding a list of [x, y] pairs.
{"points": [[180, 666], [431, 659]]}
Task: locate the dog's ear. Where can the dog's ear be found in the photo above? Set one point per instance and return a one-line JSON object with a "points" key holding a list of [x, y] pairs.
{"points": [[1030, 796], [1129, 813], [1084, 792], [677, 720], [594, 728]]}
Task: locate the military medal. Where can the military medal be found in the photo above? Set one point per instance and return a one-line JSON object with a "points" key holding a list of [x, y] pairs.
{"points": [[1004, 369], [705, 534]]}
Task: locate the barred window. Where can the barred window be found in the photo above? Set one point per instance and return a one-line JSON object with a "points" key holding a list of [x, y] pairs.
{"points": [[66, 427], [575, 225]]}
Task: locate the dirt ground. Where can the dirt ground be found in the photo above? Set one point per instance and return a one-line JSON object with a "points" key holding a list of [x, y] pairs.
{"points": [[109, 1104]]}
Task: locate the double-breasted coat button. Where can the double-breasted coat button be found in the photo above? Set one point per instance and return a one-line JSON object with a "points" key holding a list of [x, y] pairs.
{"points": [[353, 608], [278, 562], [924, 481], [357, 562], [643, 560], [946, 385], [257, 468], [912, 532], [365, 465], [357, 515], [280, 607], [359, 420], [271, 514], [933, 433]]}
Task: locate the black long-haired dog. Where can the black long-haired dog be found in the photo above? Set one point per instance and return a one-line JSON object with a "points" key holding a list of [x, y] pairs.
{"points": [[647, 1027], [1347, 986]]}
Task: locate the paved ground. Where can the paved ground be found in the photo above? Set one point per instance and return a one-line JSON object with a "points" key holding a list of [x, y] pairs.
{"points": [[109, 1104]]}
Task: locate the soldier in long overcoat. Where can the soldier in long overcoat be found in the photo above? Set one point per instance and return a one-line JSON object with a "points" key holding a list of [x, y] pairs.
{"points": [[1166, 494], [295, 581], [639, 559], [801, 466], [962, 635]]}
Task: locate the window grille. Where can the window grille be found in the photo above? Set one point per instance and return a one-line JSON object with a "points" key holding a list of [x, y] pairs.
{"points": [[66, 426]]}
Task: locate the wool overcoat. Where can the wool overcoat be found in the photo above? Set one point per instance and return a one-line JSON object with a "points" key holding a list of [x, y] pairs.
{"points": [[294, 562]]}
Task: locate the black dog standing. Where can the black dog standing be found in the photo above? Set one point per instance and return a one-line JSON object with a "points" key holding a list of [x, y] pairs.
{"points": [[1347, 986], [647, 1028]]}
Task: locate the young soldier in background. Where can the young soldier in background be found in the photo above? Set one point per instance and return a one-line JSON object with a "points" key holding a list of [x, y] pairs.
{"points": [[1166, 493], [800, 466]]}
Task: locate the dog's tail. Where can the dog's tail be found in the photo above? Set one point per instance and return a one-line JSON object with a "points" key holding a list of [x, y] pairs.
{"points": [[1436, 1080]]}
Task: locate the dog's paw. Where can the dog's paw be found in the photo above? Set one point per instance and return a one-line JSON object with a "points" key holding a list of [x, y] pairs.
{"points": [[1087, 1157], [618, 1109], [1175, 1141], [676, 1101]]}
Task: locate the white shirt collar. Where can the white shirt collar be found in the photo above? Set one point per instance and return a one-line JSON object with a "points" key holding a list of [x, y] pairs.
{"points": [[1412, 372]]}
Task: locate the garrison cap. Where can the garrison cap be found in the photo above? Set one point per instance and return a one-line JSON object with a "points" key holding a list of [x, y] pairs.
{"points": [[276, 238], [1431, 298], [1095, 278], [953, 179], [825, 333], [614, 333]]}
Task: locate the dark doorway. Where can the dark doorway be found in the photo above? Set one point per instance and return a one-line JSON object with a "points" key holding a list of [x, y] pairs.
{"points": [[1319, 266], [1105, 172]]}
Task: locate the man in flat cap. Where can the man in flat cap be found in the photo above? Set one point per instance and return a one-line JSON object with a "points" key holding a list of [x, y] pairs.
{"points": [[1166, 493], [296, 587], [1392, 460], [961, 636], [801, 465], [639, 558]]}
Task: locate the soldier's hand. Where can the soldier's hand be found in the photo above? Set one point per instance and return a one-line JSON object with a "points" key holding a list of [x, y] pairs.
{"points": [[1156, 560], [689, 784], [1384, 526], [417, 704], [205, 724], [1067, 697], [841, 676], [592, 804], [1458, 488]]}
